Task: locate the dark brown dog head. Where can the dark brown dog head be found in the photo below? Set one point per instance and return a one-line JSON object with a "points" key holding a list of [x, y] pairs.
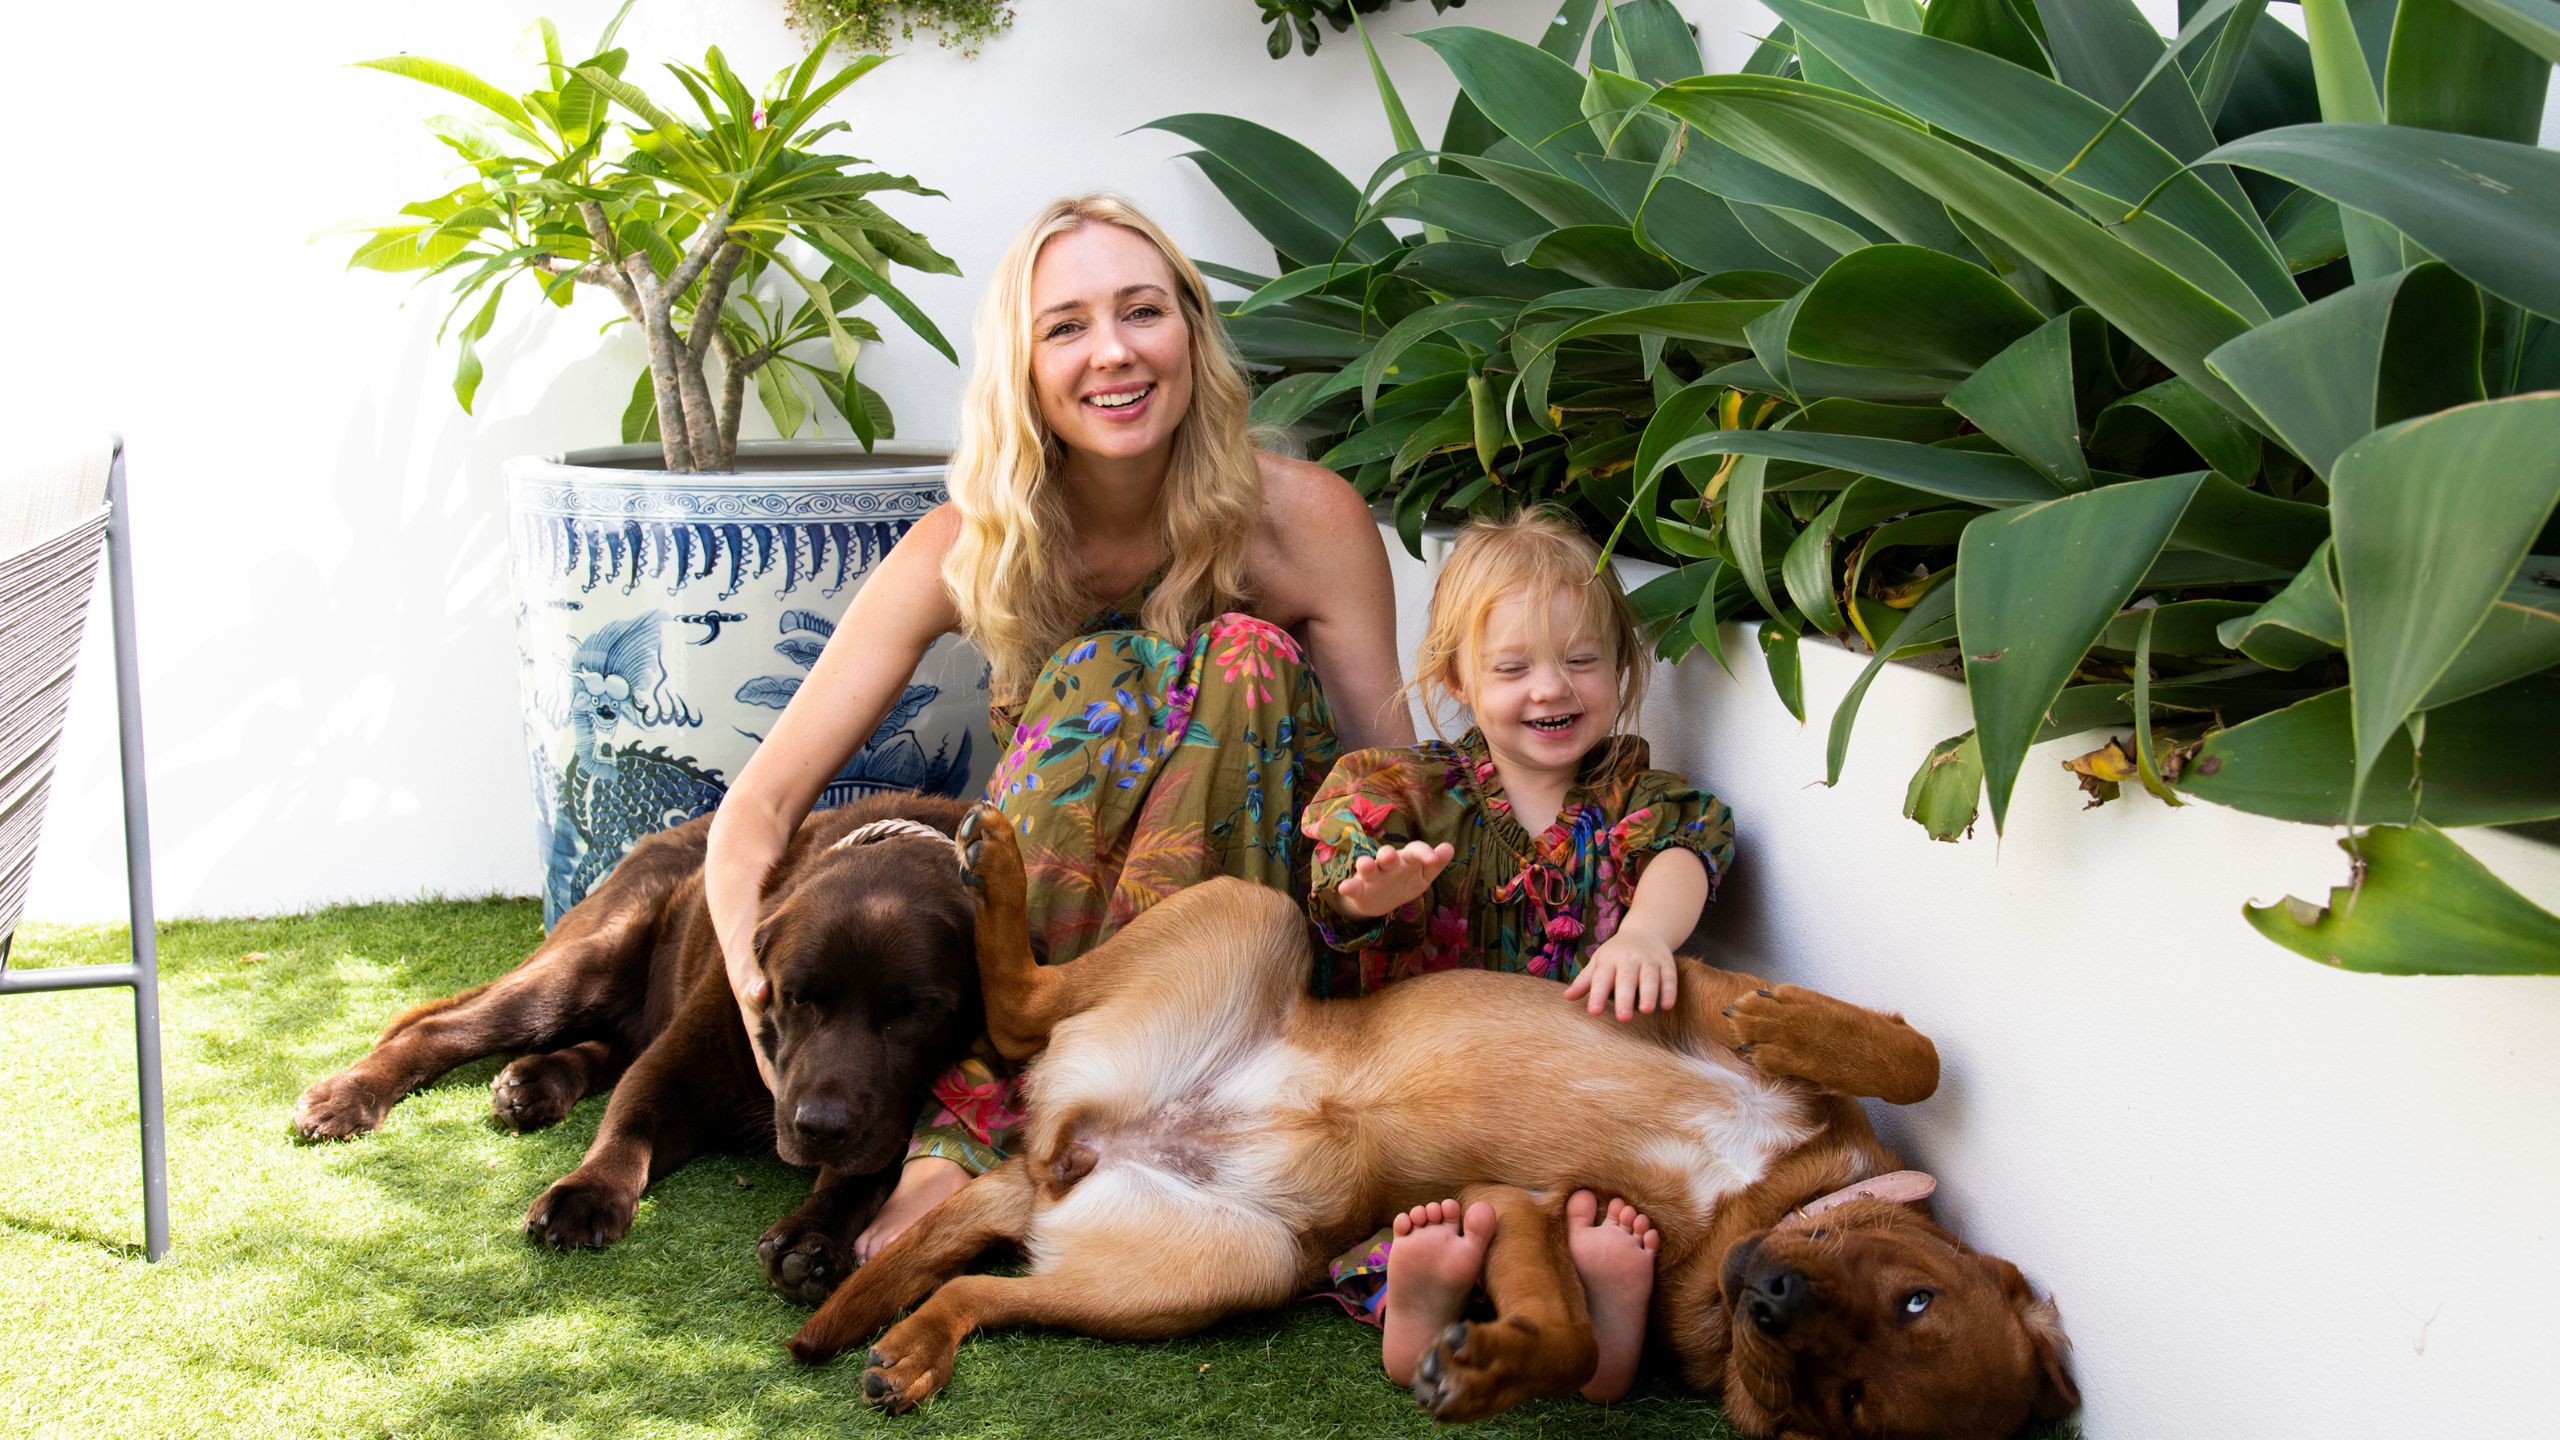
{"points": [[1871, 1321], [870, 953]]}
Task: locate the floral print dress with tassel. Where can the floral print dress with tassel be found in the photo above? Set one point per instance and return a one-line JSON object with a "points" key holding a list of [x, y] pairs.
{"points": [[1509, 900], [1136, 767]]}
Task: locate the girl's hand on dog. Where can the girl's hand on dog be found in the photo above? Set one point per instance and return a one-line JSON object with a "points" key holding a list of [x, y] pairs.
{"points": [[1393, 877], [1634, 970]]}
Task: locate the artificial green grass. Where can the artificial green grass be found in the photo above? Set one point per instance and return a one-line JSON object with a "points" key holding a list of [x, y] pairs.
{"points": [[382, 1287]]}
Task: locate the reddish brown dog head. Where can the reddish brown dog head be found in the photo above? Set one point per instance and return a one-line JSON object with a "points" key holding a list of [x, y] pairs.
{"points": [[1873, 1322], [873, 966]]}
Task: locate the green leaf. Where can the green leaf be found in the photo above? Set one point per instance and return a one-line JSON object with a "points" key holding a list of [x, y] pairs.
{"points": [[1994, 27], [1946, 791], [461, 82], [2126, 429], [2377, 352], [1462, 206], [2203, 233], [830, 245], [2027, 398], [2487, 761], [2034, 590], [2521, 636], [466, 370], [1292, 175], [2533, 24], [2433, 516], [1903, 307], [1806, 571], [2302, 623], [2418, 905], [2452, 70], [1833, 137], [1605, 255], [640, 417], [2488, 208], [1930, 625], [1532, 96], [1956, 474], [779, 390], [1778, 646]]}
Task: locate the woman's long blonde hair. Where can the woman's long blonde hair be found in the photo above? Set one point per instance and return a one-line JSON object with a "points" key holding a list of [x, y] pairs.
{"points": [[1540, 555], [1011, 572]]}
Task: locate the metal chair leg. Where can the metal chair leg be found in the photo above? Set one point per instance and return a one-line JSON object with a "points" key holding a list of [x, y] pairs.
{"points": [[137, 863]]}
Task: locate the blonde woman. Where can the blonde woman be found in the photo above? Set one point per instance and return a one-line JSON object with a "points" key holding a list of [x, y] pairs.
{"points": [[1178, 626]]}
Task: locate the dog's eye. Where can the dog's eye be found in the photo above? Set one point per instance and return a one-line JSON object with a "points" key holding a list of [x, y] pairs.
{"points": [[1917, 1301]]}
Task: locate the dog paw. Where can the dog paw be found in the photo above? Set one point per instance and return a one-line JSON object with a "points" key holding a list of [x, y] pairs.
{"points": [[337, 1109], [580, 1214], [1482, 1369], [535, 1092], [804, 1263], [1440, 1377], [1793, 1031], [897, 1380]]}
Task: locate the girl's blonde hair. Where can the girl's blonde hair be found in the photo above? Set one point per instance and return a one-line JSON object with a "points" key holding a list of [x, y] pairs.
{"points": [[1011, 571], [1534, 554]]}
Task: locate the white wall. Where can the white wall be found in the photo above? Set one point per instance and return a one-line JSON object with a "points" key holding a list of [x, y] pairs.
{"points": [[328, 668]]}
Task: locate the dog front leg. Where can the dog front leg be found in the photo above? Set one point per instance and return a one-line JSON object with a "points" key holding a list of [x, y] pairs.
{"points": [[1539, 1341], [1024, 998], [808, 1252], [994, 1207], [655, 1122], [1790, 1030]]}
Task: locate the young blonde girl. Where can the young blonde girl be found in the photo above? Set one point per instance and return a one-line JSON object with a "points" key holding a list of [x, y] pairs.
{"points": [[1540, 841]]}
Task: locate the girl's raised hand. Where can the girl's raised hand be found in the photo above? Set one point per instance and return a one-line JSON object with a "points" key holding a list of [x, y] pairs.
{"points": [[1635, 971], [1393, 877]]}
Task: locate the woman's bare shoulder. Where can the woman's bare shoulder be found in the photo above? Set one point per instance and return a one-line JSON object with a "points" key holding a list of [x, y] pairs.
{"points": [[1306, 507]]}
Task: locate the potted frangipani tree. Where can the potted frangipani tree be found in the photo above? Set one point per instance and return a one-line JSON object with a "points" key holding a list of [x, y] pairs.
{"points": [[658, 580]]}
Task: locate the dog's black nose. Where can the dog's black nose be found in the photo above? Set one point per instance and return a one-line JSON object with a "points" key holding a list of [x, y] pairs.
{"points": [[1774, 1297], [821, 1121]]}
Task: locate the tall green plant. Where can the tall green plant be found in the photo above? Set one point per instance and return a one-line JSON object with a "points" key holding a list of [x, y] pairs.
{"points": [[2205, 386], [677, 221]]}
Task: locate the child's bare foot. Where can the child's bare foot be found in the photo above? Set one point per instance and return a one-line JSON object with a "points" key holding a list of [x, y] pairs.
{"points": [[1613, 1253], [1435, 1262]]}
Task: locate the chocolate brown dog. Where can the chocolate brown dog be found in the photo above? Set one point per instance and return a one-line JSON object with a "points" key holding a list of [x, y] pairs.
{"points": [[1202, 1136], [868, 948]]}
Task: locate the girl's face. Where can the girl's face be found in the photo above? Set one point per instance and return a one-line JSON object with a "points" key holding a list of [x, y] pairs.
{"points": [[1544, 686], [1110, 351]]}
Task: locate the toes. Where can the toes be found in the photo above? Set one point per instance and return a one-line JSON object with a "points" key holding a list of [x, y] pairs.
{"points": [[1582, 1208], [1480, 1218]]}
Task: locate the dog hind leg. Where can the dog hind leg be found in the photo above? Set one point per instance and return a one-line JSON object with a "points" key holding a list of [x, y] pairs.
{"points": [[1145, 1273], [537, 1091], [1539, 1341], [559, 991]]}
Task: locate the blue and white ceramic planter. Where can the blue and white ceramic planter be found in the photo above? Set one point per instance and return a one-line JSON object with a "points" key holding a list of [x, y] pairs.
{"points": [[662, 621]]}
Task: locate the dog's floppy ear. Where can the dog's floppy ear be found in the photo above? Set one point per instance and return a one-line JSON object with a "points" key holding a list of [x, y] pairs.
{"points": [[2057, 1396]]}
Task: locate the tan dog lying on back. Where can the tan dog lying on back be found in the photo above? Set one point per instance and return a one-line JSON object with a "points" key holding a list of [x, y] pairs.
{"points": [[1203, 1135]]}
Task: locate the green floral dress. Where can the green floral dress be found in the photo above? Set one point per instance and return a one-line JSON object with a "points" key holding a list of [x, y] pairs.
{"points": [[1134, 768], [1509, 900]]}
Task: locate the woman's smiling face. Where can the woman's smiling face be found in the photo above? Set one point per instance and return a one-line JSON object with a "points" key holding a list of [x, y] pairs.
{"points": [[1110, 350]]}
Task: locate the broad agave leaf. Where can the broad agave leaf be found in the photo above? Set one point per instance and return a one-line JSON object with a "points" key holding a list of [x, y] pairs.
{"points": [[2487, 761], [2035, 588], [2488, 208], [2377, 352], [2434, 516], [2418, 904]]}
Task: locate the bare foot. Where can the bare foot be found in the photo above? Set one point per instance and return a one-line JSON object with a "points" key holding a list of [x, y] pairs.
{"points": [[927, 1181], [1431, 1269], [1613, 1253]]}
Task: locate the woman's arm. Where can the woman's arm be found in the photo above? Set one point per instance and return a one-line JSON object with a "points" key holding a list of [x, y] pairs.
{"points": [[1320, 569], [899, 611]]}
